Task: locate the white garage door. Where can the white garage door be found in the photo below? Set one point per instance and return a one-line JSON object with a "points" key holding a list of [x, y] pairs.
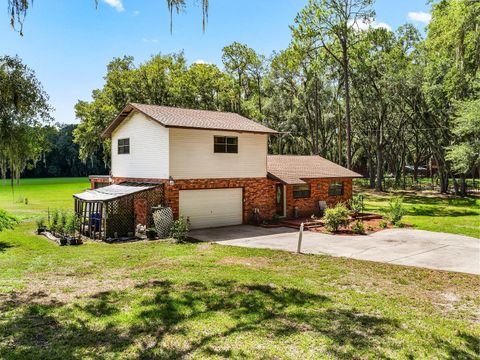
{"points": [[211, 208]]}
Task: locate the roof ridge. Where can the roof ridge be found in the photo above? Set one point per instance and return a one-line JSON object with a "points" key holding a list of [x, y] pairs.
{"points": [[192, 109]]}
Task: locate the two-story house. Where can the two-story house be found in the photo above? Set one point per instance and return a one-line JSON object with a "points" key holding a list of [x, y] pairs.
{"points": [[215, 168]]}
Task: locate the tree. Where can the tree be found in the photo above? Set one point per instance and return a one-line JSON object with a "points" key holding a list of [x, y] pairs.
{"points": [[451, 68], [465, 153], [161, 80], [23, 108], [331, 24], [238, 59]]}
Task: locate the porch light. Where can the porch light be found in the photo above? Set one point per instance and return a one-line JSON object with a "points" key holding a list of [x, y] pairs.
{"points": [[171, 181]]}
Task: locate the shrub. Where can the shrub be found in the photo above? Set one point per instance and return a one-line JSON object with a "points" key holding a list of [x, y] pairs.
{"points": [[71, 224], [356, 204], [62, 222], [7, 221], [41, 224], [179, 229], [383, 224], [395, 210], [54, 220], [358, 227], [151, 233], [275, 219], [336, 217]]}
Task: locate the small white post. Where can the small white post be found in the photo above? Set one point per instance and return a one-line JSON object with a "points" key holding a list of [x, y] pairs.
{"points": [[300, 235]]}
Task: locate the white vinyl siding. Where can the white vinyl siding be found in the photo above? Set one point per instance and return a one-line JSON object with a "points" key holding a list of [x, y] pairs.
{"points": [[212, 207], [148, 157], [192, 155]]}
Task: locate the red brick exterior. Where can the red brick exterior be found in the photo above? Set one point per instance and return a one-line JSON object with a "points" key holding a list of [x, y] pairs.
{"points": [[318, 192], [257, 193]]}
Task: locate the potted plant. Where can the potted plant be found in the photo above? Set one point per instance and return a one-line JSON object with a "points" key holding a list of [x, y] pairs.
{"points": [[151, 233], [41, 225]]}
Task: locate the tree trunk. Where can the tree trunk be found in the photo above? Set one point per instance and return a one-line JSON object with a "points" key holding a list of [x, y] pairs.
{"points": [[379, 174], [463, 186], [346, 85], [371, 171]]}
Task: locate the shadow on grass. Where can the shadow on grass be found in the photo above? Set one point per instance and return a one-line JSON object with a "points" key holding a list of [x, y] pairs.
{"points": [[470, 350], [4, 246], [198, 319], [164, 311]]}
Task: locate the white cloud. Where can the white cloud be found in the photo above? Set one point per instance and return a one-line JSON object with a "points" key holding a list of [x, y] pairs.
{"points": [[150, 41], [420, 16], [362, 25], [116, 4], [200, 61], [136, 13]]}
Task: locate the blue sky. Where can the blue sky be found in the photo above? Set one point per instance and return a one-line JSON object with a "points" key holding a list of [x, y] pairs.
{"points": [[69, 43]]}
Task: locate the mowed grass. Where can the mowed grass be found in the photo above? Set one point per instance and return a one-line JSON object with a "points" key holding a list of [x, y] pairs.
{"points": [[161, 300], [41, 194], [434, 212]]}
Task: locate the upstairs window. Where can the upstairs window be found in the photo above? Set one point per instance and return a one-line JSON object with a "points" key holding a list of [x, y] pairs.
{"points": [[124, 146], [225, 144], [301, 191], [335, 189]]}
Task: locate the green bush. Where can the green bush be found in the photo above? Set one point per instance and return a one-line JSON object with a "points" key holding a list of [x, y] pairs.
{"points": [[54, 220], [151, 233], [72, 224], [395, 210], [383, 224], [358, 227], [62, 222], [41, 224], [179, 229], [275, 219], [7, 221], [336, 217], [356, 204]]}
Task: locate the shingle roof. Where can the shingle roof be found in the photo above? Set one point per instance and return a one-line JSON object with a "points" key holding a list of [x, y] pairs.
{"points": [[291, 169], [190, 118]]}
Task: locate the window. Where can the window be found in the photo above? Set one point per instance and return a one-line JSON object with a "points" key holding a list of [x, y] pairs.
{"points": [[301, 191], [225, 144], [124, 146], [335, 189]]}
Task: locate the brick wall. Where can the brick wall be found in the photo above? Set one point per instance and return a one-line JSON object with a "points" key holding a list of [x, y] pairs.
{"points": [[257, 193], [318, 191]]}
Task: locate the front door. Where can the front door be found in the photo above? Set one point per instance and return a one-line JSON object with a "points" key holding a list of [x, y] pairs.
{"points": [[279, 199]]}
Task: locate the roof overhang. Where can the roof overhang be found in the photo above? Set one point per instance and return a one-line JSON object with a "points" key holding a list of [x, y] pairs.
{"points": [[112, 192]]}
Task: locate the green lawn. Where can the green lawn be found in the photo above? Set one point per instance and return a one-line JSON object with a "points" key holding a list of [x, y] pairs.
{"points": [[163, 300], [42, 194], [434, 212]]}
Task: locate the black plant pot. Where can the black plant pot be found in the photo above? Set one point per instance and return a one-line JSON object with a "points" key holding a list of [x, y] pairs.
{"points": [[41, 230], [151, 235]]}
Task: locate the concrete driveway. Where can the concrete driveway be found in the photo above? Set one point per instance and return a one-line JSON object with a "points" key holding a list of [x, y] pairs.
{"points": [[410, 247]]}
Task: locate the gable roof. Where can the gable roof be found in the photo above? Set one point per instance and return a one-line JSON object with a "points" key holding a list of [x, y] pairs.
{"points": [[291, 169], [189, 118]]}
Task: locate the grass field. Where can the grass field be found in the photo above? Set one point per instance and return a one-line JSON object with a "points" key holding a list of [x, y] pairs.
{"points": [[163, 300], [434, 212]]}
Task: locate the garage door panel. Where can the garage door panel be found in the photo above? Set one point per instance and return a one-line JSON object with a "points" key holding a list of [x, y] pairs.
{"points": [[212, 207]]}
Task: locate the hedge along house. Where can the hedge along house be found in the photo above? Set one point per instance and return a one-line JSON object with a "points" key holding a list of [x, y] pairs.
{"points": [[215, 168]]}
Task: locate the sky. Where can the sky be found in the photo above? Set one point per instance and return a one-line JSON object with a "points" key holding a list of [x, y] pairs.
{"points": [[69, 43]]}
